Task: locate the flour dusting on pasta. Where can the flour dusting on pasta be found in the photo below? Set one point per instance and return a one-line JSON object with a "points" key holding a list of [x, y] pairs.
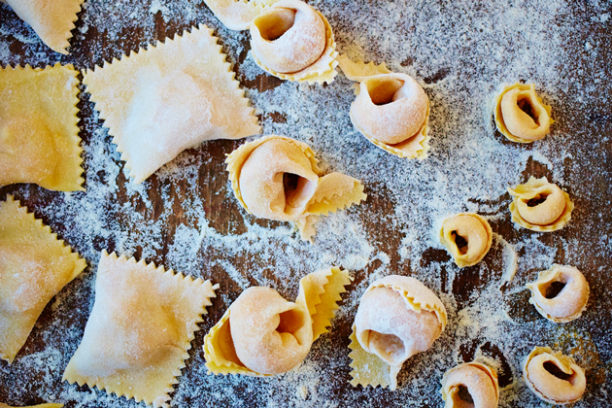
{"points": [[185, 216]]}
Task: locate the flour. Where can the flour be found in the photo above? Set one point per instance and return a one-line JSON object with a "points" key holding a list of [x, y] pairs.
{"points": [[460, 52]]}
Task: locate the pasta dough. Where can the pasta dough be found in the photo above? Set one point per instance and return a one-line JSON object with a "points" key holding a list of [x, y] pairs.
{"points": [[397, 318], [140, 329], [171, 97], [34, 267], [391, 110], [293, 41], [560, 306], [520, 114], [262, 334], [468, 238], [540, 206], [53, 20], [480, 382], [39, 140], [278, 178], [553, 377]]}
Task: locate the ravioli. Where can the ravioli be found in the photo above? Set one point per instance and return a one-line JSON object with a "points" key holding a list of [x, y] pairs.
{"points": [[140, 330], [34, 267], [168, 98], [39, 135]]}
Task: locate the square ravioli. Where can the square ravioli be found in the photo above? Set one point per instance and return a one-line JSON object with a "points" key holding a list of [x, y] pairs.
{"points": [[168, 98], [34, 267], [53, 20], [39, 136], [139, 331]]}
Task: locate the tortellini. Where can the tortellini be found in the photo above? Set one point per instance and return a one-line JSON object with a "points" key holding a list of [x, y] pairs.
{"points": [[470, 385], [293, 41], [553, 377], [278, 178], [540, 206], [263, 334], [520, 114], [560, 294], [270, 335], [397, 318], [391, 109], [468, 238]]}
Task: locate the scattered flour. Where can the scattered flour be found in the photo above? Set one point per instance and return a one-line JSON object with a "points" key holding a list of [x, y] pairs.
{"points": [[460, 52]]}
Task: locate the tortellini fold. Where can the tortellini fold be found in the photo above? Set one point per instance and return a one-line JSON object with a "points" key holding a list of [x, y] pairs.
{"points": [[468, 237], [278, 178], [520, 114], [478, 380], [540, 206], [554, 377], [560, 294], [293, 41], [397, 318]]}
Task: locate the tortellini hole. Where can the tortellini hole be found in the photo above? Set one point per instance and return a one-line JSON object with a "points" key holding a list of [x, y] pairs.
{"points": [[552, 289], [537, 200], [385, 91], [291, 321], [557, 372], [525, 105], [461, 242], [273, 25], [464, 395], [388, 346], [298, 190]]}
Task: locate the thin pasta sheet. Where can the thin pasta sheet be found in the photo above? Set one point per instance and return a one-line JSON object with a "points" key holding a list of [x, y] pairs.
{"points": [[34, 267], [168, 98], [39, 135]]}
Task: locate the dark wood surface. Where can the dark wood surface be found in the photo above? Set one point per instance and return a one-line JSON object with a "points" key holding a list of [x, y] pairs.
{"points": [[143, 222]]}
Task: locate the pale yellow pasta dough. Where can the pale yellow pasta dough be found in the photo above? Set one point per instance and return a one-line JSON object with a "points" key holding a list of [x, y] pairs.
{"points": [[34, 267], [140, 329], [278, 178], [564, 385], [540, 206], [480, 382], [263, 334], [238, 14], [397, 318], [520, 114], [293, 41], [476, 235], [391, 110], [566, 305], [39, 140], [53, 20], [168, 98]]}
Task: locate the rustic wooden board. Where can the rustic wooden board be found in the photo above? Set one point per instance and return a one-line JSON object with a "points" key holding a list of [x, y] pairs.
{"points": [[145, 222]]}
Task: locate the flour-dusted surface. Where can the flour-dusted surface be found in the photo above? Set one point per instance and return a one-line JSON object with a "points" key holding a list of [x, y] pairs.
{"points": [[185, 216]]}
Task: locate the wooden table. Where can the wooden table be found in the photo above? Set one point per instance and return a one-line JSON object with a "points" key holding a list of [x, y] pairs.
{"points": [[186, 217]]}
